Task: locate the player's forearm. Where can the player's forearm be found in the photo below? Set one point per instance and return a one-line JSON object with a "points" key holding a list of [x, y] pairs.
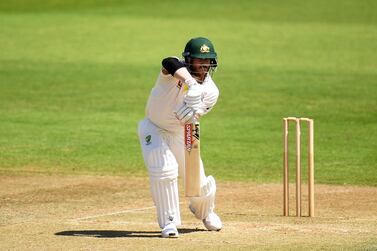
{"points": [[183, 74]]}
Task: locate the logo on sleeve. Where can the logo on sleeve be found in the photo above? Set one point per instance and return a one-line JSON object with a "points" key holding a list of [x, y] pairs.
{"points": [[179, 84], [148, 140]]}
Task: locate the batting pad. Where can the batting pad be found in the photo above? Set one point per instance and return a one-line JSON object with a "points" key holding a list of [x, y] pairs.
{"points": [[202, 206], [163, 173]]}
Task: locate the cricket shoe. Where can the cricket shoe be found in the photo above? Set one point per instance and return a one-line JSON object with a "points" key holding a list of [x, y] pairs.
{"points": [[212, 222], [169, 231]]}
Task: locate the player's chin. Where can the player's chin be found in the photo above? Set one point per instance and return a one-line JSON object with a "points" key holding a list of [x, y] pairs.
{"points": [[200, 77]]}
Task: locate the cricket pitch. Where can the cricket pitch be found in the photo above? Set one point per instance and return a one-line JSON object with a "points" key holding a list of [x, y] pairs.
{"points": [[44, 212]]}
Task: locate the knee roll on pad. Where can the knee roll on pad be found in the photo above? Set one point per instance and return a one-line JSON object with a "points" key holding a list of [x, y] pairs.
{"points": [[162, 163], [202, 206]]}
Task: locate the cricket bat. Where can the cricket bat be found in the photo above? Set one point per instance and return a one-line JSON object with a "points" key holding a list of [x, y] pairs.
{"points": [[192, 160]]}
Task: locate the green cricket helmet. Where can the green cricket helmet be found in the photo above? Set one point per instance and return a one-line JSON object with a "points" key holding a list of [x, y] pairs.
{"points": [[200, 47]]}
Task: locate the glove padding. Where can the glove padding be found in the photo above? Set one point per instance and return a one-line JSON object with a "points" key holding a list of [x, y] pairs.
{"points": [[193, 97], [185, 114]]}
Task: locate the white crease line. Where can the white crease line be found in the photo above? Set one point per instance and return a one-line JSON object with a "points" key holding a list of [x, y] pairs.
{"points": [[114, 213], [123, 222]]}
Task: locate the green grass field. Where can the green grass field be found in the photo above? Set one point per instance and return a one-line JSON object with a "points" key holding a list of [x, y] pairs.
{"points": [[75, 77]]}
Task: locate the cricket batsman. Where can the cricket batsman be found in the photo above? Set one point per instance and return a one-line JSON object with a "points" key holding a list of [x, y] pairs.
{"points": [[184, 91]]}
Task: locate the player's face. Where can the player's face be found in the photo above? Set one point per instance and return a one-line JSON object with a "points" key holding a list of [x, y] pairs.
{"points": [[199, 68]]}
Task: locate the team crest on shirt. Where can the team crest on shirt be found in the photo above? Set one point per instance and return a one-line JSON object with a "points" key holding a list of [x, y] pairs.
{"points": [[148, 140], [204, 48]]}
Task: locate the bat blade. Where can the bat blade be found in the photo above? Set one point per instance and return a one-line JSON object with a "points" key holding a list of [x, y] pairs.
{"points": [[192, 160]]}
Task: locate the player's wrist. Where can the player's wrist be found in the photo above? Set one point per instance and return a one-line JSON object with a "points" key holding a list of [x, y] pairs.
{"points": [[191, 82]]}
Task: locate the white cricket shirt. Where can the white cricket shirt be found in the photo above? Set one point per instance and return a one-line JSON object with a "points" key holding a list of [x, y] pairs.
{"points": [[167, 97]]}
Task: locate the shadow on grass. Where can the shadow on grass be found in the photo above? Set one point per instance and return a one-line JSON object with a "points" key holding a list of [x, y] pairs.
{"points": [[122, 234]]}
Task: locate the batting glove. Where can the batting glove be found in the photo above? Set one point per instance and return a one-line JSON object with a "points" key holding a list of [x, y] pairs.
{"points": [[185, 114]]}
